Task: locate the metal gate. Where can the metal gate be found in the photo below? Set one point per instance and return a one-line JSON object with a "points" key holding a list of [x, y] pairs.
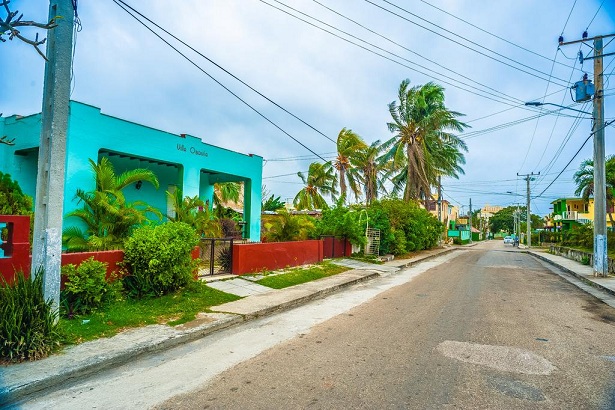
{"points": [[215, 256]]}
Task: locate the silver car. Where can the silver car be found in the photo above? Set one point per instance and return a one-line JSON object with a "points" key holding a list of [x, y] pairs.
{"points": [[509, 239]]}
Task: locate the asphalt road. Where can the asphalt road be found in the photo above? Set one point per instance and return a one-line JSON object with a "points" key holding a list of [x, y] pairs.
{"points": [[487, 327]]}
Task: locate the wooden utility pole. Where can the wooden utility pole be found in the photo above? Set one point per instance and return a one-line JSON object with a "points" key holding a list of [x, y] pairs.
{"points": [[47, 246]]}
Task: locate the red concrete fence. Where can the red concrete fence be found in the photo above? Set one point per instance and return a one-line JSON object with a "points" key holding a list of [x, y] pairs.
{"points": [[247, 258], [256, 257]]}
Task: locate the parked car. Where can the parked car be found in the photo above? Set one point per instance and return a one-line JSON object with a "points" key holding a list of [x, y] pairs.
{"points": [[509, 239]]}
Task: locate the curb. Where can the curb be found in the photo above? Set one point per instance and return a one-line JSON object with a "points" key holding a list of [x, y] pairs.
{"points": [[12, 394], [573, 273], [423, 259]]}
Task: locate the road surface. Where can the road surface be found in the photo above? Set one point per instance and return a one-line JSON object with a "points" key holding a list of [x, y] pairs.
{"points": [[486, 327]]}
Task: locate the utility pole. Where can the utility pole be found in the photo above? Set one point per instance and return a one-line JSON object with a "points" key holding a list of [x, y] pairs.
{"points": [[528, 178], [47, 246], [470, 220], [600, 236]]}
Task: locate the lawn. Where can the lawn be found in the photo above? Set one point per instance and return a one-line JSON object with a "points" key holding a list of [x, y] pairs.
{"points": [[301, 275], [173, 309]]}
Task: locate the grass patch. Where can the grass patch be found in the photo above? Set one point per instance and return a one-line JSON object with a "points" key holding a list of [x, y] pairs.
{"points": [[173, 309], [367, 258], [301, 275]]}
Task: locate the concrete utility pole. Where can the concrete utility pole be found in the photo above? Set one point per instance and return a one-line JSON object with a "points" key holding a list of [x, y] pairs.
{"points": [[528, 178], [470, 220], [47, 246], [600, 235]]}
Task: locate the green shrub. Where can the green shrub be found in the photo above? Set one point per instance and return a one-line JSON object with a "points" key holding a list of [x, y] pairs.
{"points": [[342, 221], [27, 322], [286, 227], [158, 259], [85, 287]]}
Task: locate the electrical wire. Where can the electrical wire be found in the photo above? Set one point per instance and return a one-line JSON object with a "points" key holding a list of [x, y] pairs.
{"points": [[491, 34], [226, 71], [120, 3], [464, 45], [427, 74], [409, 50]]}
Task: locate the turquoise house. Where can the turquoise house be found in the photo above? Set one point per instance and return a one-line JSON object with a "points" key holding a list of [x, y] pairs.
{"points": [[179, 161]]}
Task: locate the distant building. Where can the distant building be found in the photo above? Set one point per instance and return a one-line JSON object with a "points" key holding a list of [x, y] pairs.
{"points": [[179, 161]]}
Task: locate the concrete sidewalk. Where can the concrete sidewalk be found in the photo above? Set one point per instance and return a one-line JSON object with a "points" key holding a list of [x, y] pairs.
{"points": [[580, 275], [23, 379]]}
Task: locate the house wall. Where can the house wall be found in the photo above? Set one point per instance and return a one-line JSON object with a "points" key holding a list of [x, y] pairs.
{"points": [[183, 160]]}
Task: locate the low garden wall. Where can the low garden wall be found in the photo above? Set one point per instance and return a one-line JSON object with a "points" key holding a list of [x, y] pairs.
{"points": [[256, 257], [579, 256]]}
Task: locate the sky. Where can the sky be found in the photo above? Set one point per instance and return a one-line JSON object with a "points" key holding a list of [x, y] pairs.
{"points": [[490, 57]]}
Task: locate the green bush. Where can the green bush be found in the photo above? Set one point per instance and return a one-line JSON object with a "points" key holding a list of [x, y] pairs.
{"points": [[286, 227], [342, 221], [158, 259], [27, 322], [85, 287], [404, 226]]}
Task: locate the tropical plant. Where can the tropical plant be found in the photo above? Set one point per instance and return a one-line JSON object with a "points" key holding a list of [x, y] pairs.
{"points": [[12, 199], [272, 203], [423, 148], [85, 287], [319, 180], [13, 202], [404, 226], [28, 329], [194, 212], [287, 227], [342, 221], [584, 180], [226, 191], [348, 145], [372, 169], [158, 259], [107, 216]]}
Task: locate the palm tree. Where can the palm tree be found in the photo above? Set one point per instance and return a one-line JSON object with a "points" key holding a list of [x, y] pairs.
{"points": [[225, 192], [584, 180], [107, 217], [320, 179], [423, 148], [367, 161], [348, 145]]}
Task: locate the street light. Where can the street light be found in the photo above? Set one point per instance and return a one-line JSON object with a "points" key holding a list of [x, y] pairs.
{"points": [[538, 104]]}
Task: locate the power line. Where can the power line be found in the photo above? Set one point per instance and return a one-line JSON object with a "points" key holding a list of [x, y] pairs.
{"points": [[409, 50], [569, 162], [491, 34], [429, 75], [117, 2], [461, 44]]}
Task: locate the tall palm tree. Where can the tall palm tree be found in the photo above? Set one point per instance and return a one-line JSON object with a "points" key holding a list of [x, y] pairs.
{"points": [[320, 179], [367, 161], [584, 180], [107, 217], [423, 146], [348, 145]]}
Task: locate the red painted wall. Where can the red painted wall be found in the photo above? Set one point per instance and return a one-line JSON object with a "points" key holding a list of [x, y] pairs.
{"points": [[112, 258], [255, 257], [17, 247]]}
